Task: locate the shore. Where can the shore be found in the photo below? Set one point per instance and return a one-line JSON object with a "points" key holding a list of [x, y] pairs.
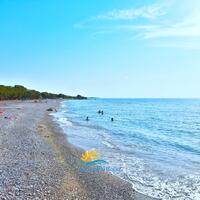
{"points": [[37, 162]]}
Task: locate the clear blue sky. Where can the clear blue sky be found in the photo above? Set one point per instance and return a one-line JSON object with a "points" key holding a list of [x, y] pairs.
{"points": [[105, 48]]}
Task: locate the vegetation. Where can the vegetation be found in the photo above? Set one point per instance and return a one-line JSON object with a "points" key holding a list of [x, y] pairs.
{"points": [[19, 92]]}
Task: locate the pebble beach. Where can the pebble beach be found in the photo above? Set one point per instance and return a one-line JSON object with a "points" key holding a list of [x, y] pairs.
{"points": [[37, 162]]}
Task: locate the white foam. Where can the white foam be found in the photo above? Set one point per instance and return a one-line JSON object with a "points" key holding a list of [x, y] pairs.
{"points": [[63, 105], [64, 121], [145, 176], [61, 119], [108, 144], [149, 183]]}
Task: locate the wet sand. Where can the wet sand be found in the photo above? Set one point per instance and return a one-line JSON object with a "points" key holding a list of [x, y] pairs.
{"points": [[37, 162]]}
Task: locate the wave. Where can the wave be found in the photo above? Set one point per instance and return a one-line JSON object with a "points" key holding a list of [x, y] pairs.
{"points": [[151, 142], [61, 119]]}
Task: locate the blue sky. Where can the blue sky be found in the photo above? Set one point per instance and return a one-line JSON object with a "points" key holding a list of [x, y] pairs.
{"points": [[115, 48]]}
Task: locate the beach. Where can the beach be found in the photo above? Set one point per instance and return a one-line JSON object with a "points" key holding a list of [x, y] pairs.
{"points": [[37, 162]]}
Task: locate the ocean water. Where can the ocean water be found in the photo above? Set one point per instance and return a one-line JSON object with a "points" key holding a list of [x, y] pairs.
{"points": [[155, 142]]}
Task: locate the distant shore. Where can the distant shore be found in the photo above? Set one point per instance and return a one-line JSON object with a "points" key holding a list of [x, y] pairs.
{"points": [[37, 162]]}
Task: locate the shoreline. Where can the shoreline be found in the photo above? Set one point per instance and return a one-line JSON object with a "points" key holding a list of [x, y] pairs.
{"points": [[107, 178], [38, 162]]}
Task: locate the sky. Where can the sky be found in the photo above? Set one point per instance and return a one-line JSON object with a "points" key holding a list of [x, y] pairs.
{"points": [[101, 48]]}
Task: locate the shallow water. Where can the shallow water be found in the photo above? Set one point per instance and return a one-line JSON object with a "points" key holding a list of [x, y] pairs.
{"points": [[156, 142]]}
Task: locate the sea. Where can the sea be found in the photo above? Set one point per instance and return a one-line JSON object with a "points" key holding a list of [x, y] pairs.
{"points": [[154, 142]]}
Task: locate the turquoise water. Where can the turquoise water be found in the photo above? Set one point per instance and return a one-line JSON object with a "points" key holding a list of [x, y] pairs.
{"points": [[156, 142]]}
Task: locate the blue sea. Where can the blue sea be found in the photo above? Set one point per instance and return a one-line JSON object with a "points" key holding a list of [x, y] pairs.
{"points": [[155, 142]]}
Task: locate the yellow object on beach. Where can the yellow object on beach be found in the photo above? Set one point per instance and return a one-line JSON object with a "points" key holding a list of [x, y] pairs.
{"points": [[90, 155]]}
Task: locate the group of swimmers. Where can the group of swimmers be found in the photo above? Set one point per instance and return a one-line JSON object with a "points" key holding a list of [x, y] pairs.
{"points": [[100, 112]]}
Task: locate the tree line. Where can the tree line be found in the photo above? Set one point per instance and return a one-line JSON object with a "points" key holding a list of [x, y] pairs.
{"points": [[19, 92]]}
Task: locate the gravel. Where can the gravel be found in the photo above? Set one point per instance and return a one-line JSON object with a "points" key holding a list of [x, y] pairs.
{"points": [[37, 162]]}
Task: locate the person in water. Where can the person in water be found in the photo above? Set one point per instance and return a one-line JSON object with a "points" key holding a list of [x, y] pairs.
{"points": [[87, 118], [99, 112], [102, 112], [112, 119]]}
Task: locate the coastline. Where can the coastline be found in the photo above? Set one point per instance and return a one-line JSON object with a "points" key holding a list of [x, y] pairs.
{"points": [[101, 183], [59, 161]]}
